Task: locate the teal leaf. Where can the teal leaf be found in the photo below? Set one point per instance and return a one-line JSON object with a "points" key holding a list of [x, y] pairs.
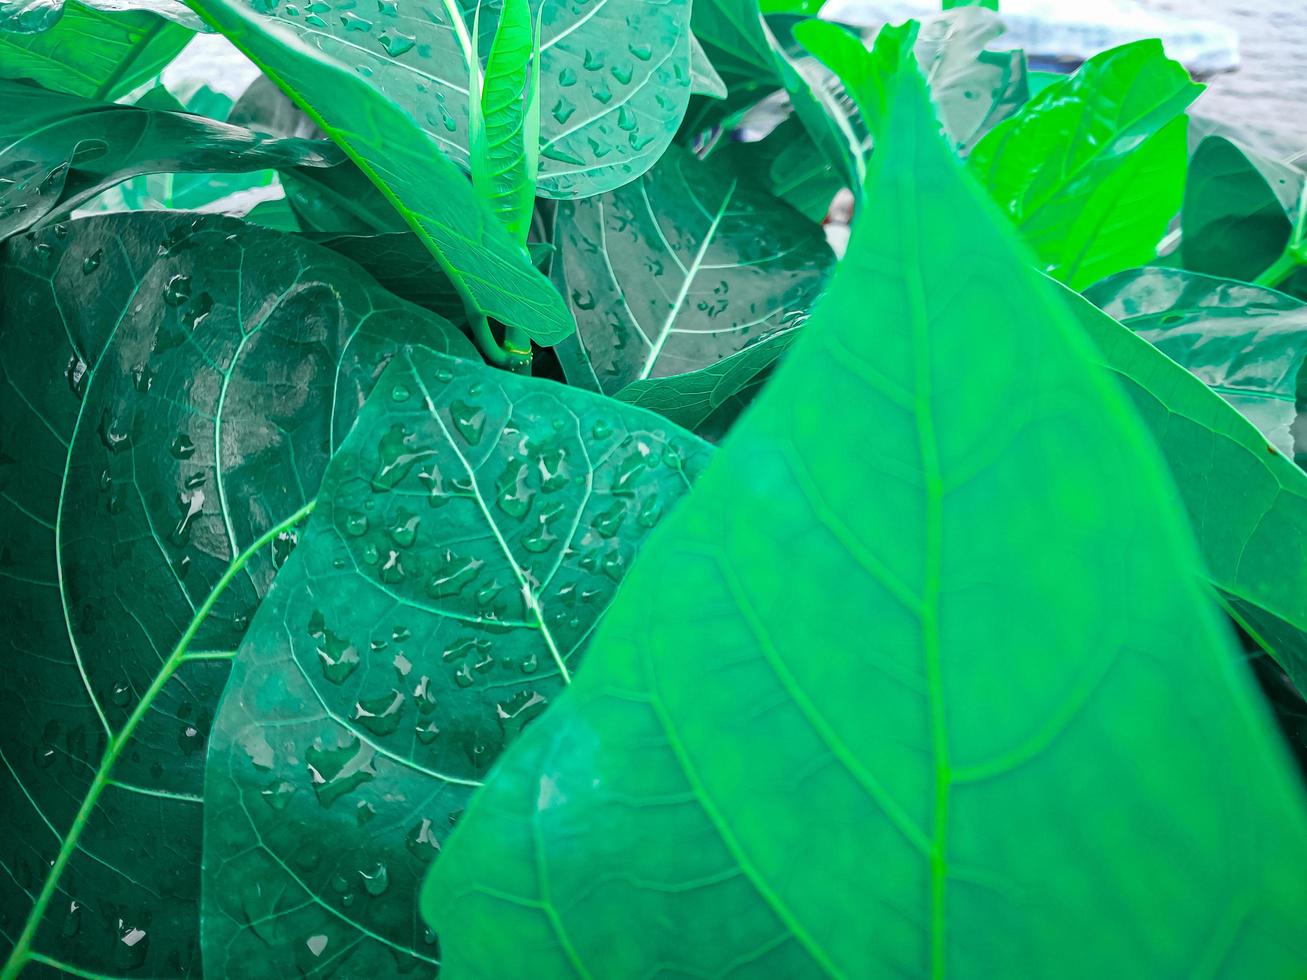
{"points": [[94, 53], [491, 271], [912, 702], [171, 387], [1092, 169], [1237, 211], [1246, 500], [469, 535], [38, 16], [704, 79], [59, 152], [682, 268], [1248, 343], [614, 77]]}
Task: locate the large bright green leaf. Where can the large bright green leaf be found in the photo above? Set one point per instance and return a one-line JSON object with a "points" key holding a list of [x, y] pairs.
{"points": [[491, 271], [469, 534], [919, 681], [1092, 169], [1247, 501], [1235, 220], [682, 268], [58, 151], [1247, 342], [94, 53], [614, 74], [170, 390]]}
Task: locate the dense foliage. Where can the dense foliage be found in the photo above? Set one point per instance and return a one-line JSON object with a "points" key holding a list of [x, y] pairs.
{"points": [[460, 516]]}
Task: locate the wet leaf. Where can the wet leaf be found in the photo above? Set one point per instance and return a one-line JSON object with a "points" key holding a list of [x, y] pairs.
{"points": [[171, 387], [469, 535], [682, 268]]}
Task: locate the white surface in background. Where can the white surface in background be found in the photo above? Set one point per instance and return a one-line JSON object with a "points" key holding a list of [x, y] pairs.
{"points": [[212, 60], [1075, 29]]}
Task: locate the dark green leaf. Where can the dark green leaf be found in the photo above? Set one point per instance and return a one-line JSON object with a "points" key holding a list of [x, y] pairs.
{"points": [[688, 265], [704, 79], [469, 534], [93, 53], [1246, 342], [490, 270], [170, 390], [1092, 169], [1247, 502], [931, 687], [59, 151], [709, 400], [1237, 206]]}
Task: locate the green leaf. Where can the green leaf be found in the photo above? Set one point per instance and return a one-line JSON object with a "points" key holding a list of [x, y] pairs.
{"points": [[704, 79], [503, 139], [709, 400], [60, 151], [469, 535], [94, 53], [930, 687], [1247, 502], [973, 89], [39, 16], [1246, 342], [493, 274], [1237, 206], [615, 77], [171, 387], [1092, 169], [688, 265]]}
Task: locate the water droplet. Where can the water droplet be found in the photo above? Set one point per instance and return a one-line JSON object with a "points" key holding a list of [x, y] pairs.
{"points": [[113, 433], [623, 73], [75, 373], [278, 793], [191, 505], [594, 60], [642, 51], [92, 261], [377, 880], [178, 290], [563, 110], [469, 420], [337, 771], [396, 42], [339, 657], [567, 78], [400, 393], [182, 447], [380, 715], [356, 523]]}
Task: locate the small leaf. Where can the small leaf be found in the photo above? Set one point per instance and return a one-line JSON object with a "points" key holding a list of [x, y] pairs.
{"points": [[704, 79], [470, 534]]}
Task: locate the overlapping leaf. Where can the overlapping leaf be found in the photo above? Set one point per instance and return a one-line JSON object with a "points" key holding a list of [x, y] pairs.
{"points": [[170, 390], [682, 268], [58, 151], [469, 534], [1092, 169], [615, 76], [492, 272], [1246, 342], [39, 16], [95, 53], [916, 593]]}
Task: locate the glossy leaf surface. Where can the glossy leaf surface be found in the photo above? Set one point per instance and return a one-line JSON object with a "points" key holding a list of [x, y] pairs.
{"points": [[1092, 169], [170, 390], [468, 536], [94, 53], [682, 268], [1237, 205], [58, 151], [1247, 502], [1246, 342], [38, 16], [489, 269], [615, 77], [866, 604]]}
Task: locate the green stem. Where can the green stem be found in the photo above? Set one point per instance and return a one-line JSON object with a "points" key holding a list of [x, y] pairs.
{"points": [[22, 951], [1279, 270]]}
